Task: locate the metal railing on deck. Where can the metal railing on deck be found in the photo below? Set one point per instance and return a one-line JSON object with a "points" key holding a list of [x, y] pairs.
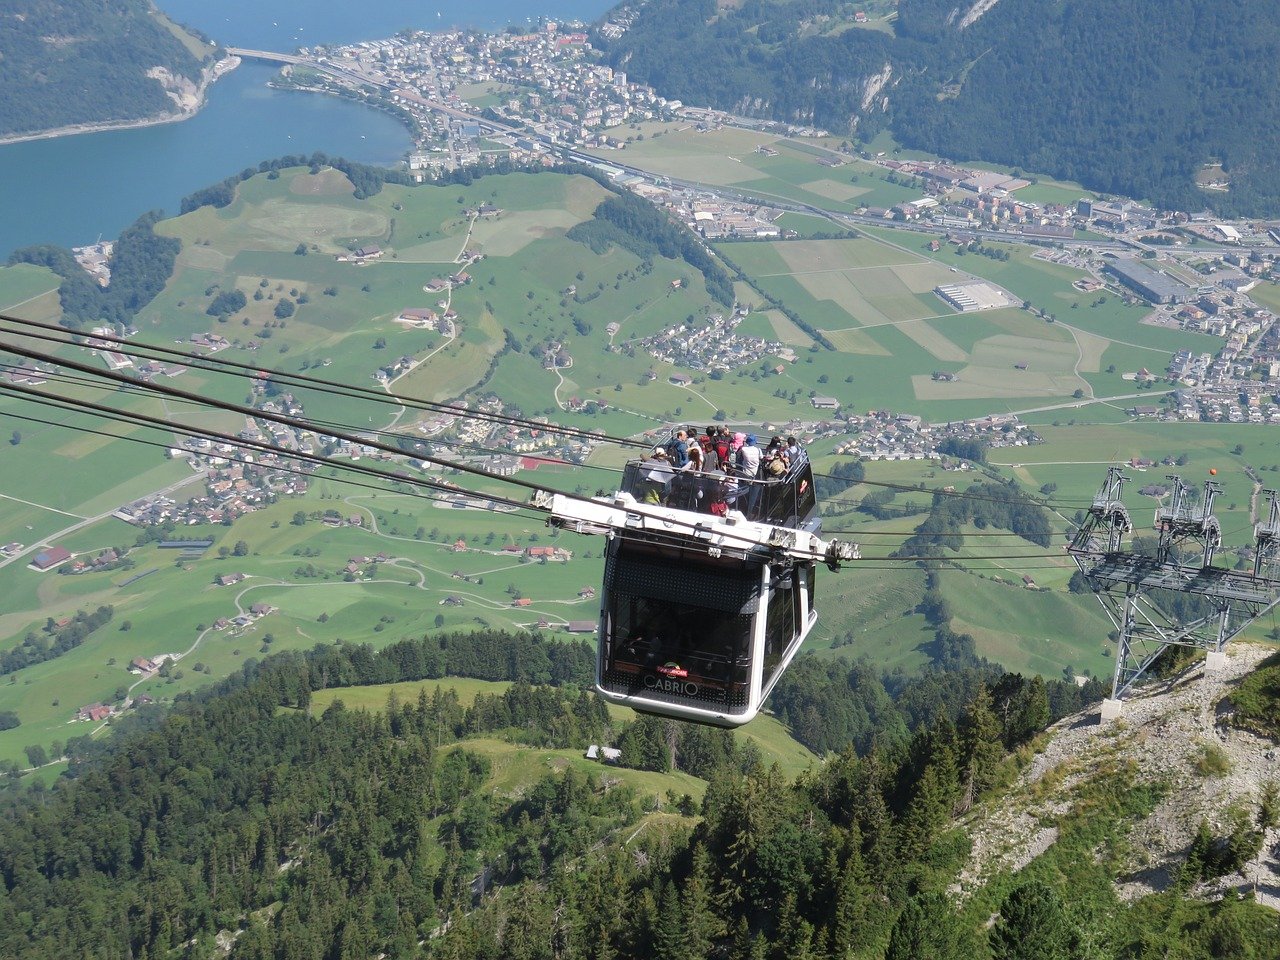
{"points": [[786, 500]]}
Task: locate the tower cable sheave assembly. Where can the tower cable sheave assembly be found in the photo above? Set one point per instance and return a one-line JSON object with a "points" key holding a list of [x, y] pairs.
{"points": [[1140, 592]]}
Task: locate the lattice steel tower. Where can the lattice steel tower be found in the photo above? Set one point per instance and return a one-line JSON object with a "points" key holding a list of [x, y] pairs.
{"points": [[1131, 586]]}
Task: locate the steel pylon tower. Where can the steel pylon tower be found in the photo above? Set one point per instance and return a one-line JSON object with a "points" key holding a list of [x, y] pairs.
{"points": [[1131, 586]]}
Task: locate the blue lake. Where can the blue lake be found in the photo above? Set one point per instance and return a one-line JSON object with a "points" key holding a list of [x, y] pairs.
{"points": [[70, 190]]}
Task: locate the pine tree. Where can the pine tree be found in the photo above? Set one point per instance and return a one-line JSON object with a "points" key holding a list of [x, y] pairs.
{"points": [[926, 814], [925, 928], [668, 932], [702, 926], [1033, 926], [980, 746], [850, 915]]}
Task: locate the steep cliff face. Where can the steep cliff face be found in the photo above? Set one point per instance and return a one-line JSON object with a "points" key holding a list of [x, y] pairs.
{"points": [[72, 62], [1195, 772]]}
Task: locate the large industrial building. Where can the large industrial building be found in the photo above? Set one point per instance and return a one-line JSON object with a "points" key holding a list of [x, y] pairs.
{"points": [[1150, 284]]}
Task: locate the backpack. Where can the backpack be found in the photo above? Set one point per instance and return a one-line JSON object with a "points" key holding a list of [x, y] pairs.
{"points": [[677, 452]]}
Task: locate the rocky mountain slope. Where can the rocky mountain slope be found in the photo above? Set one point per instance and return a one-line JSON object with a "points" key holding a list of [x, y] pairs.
{"points": [[1177, 745]]}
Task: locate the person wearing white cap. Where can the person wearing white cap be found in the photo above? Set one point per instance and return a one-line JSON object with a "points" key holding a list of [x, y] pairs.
{"points": [[657, 475]]}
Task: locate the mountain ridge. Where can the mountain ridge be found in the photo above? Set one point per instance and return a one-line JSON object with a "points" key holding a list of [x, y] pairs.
{"points": [[75, 63], [1134, 97]]}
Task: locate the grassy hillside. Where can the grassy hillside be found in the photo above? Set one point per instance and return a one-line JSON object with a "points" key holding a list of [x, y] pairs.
{"points": [[765, 732]]}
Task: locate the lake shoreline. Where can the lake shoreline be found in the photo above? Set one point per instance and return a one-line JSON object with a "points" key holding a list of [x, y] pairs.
{"points": [[211, 75]]}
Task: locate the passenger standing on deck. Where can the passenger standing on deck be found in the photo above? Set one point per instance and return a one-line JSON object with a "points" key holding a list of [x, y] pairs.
{"points": [[749, 458], [749, 470], [695, 463], [678, 449], [710, 456], [716, 491], [794, 453], [724, 448]]}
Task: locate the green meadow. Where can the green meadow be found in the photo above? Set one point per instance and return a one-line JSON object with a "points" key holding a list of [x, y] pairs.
{"points": [[740, 158]]}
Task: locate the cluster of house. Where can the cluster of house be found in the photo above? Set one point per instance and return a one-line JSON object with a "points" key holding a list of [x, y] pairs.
{"points": [[422, 318], [1128, 218], [1241, 382], [95, 712], [27, 373], [454, 437], [548, 554], [964, 198], [714, 345], [557, 88], [364, 254], [232, 488], [256, 612], [96, 260], [884, 435], [103, 560], [145, 666]]}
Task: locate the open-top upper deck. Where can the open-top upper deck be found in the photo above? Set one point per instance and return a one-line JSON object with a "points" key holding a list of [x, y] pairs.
{"points": [[787, 500]]}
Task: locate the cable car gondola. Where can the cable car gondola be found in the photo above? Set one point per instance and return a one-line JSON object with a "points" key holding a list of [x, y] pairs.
{"points": [[708, 586]]}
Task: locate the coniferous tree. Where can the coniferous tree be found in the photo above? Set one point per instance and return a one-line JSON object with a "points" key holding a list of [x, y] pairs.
{"points": [[668, 941], [925, 928], [980, 747], [702, 927], [1033, 926]]}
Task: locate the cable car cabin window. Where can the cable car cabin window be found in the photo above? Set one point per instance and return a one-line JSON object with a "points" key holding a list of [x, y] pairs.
{"points": [[678, 632], [780, 627]]}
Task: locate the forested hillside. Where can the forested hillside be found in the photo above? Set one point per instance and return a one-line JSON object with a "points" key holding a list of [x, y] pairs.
{"points": [[65, 62], [245, 822], [1127, 96]]}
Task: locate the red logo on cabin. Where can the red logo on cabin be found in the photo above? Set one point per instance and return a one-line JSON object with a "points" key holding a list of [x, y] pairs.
{"points": [[673, 670]]}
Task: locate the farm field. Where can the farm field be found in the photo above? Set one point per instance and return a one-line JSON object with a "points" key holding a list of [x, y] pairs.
{"points": [[24, 287], [875, 303], [729, 156]]}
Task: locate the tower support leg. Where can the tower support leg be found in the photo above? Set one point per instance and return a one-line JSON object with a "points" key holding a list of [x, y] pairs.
{"points": [[1216, 658]]}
